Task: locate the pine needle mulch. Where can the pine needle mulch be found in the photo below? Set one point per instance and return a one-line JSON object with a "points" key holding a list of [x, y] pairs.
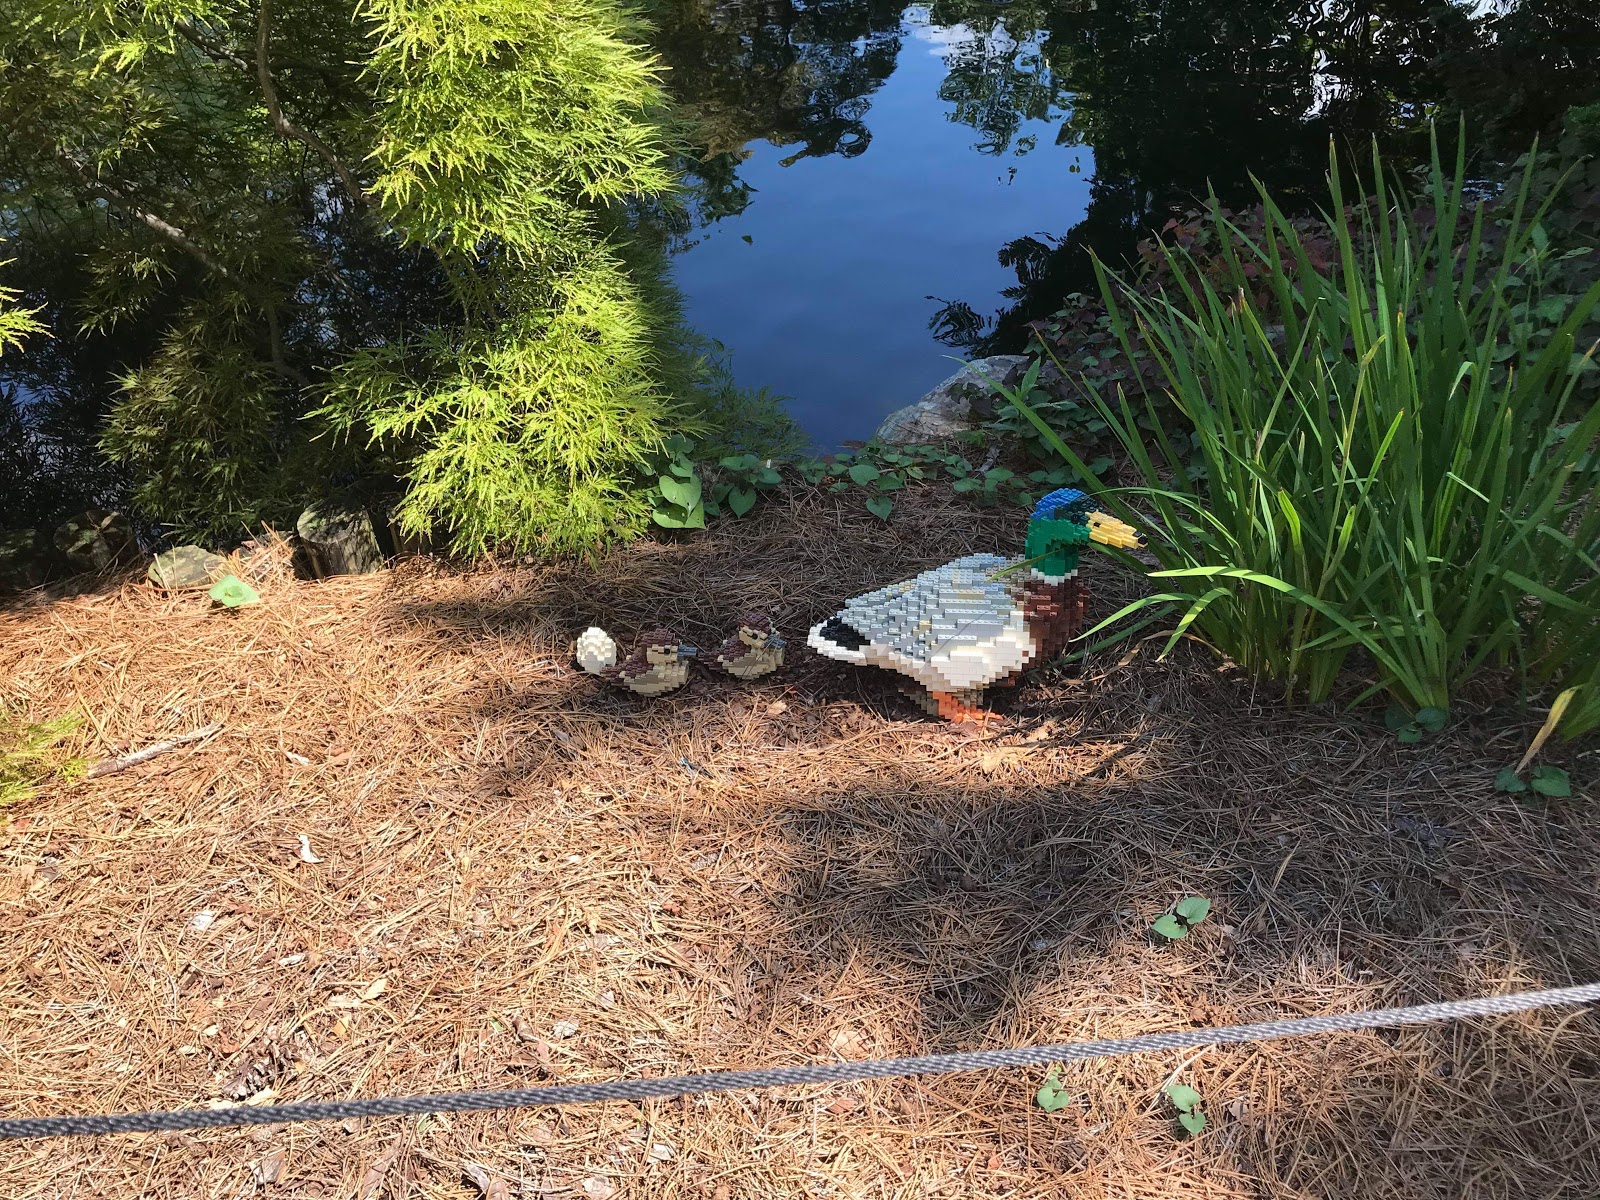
{"points": [[425, 853]]}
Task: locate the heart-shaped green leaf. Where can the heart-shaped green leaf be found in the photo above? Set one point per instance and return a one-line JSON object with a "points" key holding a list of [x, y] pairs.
{"points": [[1432, 719], [741, 462], [676, 516], [681, 467], [1052, 1097], [880, 507], [685, 493], [891, 481], [1183, 1096], [678, 444], [232, 592], [741, 500], [1396, 718], [1193, 909], [1409, 735], [1169, 927], [1550, 781], [966, 483], [1193, 1121], [1509, 781], [863, 472], [766, 477], [841, 486]]}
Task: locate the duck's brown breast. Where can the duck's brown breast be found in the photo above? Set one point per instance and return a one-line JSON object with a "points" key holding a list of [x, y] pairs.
{"points": [[1054, 614]]}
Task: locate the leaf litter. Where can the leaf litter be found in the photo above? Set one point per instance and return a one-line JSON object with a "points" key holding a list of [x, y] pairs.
{"points": [[481, 859]]}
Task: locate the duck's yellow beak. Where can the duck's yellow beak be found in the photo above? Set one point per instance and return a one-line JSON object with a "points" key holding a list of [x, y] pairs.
{"points": [[1108, 531]]}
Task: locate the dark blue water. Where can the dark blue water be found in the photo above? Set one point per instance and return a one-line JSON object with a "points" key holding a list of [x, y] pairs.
{"points": [[952, 164], [824, 287]]}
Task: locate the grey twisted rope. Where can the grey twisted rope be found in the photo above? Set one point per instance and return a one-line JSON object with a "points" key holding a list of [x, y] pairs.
{"points": [[845, 1072]]}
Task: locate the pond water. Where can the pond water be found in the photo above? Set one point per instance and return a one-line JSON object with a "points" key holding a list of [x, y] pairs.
{"points": [[890, 185], [825, 285]]}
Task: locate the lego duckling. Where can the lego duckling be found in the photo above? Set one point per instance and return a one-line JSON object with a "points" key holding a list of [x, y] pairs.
{"points": [[753, 650], [658, 664]]}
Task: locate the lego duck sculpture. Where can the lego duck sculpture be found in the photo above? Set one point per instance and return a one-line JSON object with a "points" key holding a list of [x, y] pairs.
{"points": [[982, 619], [752, 650], [658, 664]]}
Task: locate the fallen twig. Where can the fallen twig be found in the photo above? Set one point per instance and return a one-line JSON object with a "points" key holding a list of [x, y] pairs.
{"points": [[112, 765]]}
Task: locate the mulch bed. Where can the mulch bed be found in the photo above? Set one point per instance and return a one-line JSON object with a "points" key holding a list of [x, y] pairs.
{"points": [[523, 876]]}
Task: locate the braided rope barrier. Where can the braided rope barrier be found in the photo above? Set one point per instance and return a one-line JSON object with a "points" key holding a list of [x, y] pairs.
{"points": [[764, 1077]]}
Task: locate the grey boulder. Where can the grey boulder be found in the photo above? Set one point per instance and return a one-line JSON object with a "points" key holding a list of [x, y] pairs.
{"points": [[957, 405]]}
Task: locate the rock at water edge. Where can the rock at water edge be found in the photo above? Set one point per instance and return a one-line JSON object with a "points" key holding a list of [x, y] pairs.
{"points": [[957, 405]]}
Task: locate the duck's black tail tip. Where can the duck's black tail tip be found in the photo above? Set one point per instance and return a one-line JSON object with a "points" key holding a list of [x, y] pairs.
{"points": [[846, 637]]}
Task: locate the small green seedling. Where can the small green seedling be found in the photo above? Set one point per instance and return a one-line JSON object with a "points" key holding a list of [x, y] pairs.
{"points": [[1187, 1101], [880, 507], [1190, 911], [676, 500], [1545, 780], [1052, 1096], [1413, 727], [232, 592], [743, 478], [812, 470]]}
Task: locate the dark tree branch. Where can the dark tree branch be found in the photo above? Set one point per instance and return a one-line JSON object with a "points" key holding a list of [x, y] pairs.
{"points": [[284, 125], [183, 241], [158, 225], [211, 47], [280, 363]]}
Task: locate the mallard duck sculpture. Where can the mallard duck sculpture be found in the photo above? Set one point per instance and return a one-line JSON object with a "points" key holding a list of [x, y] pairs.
{"points": [[658, 664], [982, 619], [753, 649]]}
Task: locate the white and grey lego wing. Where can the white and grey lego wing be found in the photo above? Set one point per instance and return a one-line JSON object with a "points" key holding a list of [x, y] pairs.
{"points": [[961, 602]]}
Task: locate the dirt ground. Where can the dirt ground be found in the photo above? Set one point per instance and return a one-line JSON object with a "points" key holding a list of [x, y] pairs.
{"points": [[425, 853]]}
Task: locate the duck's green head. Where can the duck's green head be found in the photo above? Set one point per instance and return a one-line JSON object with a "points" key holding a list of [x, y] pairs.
{"points": [[1063, 523]]}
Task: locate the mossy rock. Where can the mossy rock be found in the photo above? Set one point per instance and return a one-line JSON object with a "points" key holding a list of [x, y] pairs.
{"points": [[186, 568], [338, 539], [95, 540], [24, 560]]}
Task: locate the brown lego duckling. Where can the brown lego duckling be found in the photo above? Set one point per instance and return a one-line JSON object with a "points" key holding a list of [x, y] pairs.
{"points": [[658, 664], [752, 650]]}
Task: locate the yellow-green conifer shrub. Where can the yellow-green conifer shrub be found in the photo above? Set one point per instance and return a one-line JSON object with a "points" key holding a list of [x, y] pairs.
{"points": [[374, 236], [507, 128]]}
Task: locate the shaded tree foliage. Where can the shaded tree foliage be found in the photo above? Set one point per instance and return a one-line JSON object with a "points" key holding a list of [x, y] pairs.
{"points": [[253, 223], [1178, 98]]}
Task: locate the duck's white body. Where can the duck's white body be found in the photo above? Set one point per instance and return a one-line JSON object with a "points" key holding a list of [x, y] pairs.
{"points": [[957, 628]]}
